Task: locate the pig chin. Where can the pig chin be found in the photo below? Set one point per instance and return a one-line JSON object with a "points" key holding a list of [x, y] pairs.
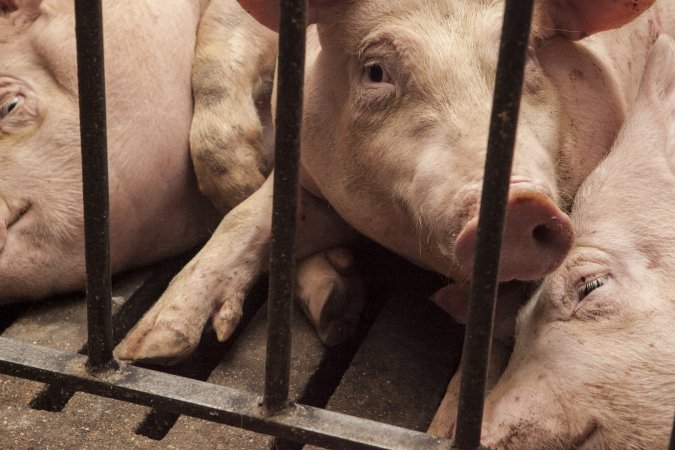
{"points": [[37, 258], [526, 436]]}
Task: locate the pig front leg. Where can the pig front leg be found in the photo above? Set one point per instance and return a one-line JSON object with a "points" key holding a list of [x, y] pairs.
{"points": [[232, 77], [214, 284]]}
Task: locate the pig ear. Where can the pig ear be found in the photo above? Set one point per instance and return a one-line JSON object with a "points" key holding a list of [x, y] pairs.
{"points": [[267, 11], [651, 121], [659, 73], [576, 19], [659, 80]]}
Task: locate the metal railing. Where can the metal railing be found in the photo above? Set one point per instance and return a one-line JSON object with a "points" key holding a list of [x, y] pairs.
{"points": [[100, 374]]}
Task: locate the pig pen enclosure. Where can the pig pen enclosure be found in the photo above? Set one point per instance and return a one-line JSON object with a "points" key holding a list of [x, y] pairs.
{"points": [[378, 390]]}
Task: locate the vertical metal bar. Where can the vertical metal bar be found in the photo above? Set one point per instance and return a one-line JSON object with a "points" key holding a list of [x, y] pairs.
{"points": [[91, 85], [287, 151], [504, 120], [672, 437]]}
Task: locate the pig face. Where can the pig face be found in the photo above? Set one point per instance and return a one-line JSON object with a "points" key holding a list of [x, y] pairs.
{"points": [[155, 206], [396, 120], [593, 362], [404, 152], [40, 190]]}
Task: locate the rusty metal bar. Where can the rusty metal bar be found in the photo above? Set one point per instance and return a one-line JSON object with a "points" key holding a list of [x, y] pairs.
{"points": [[501, 139], [208, 401], [91, 85], [292, 24]]}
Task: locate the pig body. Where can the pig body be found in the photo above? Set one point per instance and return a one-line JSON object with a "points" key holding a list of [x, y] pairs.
{"points": [[397, 103], [594, 361], [156, 207]]}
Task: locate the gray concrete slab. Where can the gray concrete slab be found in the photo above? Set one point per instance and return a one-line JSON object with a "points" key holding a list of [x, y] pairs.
{"points": [[87, 422], [402, 368], [397, 376]]}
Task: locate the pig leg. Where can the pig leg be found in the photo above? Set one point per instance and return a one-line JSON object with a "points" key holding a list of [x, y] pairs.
{"points": [[213, 285], [443, 423], [331, 293], [232, 78]]}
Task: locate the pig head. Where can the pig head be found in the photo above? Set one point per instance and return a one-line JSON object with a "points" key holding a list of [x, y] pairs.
{"points": [[155, 207], [398, 98], [594, 361]]}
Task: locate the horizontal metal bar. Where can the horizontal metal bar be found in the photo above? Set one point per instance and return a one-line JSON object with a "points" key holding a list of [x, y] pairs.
{"points": [[208, 401]]}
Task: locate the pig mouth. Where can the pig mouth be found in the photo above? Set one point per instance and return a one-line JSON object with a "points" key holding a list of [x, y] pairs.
{"points": [[19, 215], [585, 438]]}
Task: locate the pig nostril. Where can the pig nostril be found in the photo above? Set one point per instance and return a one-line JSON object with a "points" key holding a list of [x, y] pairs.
{"points": [[542, 234]]}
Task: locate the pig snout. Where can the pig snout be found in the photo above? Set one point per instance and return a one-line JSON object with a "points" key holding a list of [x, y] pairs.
{"points": [[529, 417], [537, 237]]}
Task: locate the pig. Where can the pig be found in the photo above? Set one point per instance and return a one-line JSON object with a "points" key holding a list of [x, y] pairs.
{"points": [[156, 209], [397, 102], [594, 358], [156, 141]]}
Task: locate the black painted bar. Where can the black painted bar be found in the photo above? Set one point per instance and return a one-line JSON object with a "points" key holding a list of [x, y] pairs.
{"points": [[292, 24], [503, 125], [207, 401], [91, 85]]}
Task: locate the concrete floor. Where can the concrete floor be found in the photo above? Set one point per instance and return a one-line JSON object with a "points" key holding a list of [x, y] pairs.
{"points": [[395, 370]]}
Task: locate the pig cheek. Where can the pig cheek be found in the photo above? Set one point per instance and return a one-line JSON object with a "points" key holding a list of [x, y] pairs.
{"points": [[33, 265], [324, 118], [46, 244]]}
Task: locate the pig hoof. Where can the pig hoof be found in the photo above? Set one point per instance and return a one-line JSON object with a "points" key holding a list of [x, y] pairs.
{"points": [[226, 320], [339, 316], [227, 191], [331, 294], [224, 176], [165, 343]]}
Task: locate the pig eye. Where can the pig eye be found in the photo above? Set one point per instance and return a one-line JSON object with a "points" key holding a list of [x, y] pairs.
{"points": [[9, 106], [375, 73], [589, 286]]}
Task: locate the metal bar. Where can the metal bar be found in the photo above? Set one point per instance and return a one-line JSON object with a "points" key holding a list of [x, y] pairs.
{"points": [[54, 398], [208, 401], [501, 139], [287, 151], [91, 85], [672, 437]]}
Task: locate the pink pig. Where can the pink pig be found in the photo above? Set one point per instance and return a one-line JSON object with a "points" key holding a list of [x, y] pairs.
{"points": [[148, 72], [397, 100], [594, 362], [158, 55]]}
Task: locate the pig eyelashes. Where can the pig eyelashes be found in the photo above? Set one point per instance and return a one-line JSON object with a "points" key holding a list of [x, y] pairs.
{"points": [[9, 106], [589, 286]]}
